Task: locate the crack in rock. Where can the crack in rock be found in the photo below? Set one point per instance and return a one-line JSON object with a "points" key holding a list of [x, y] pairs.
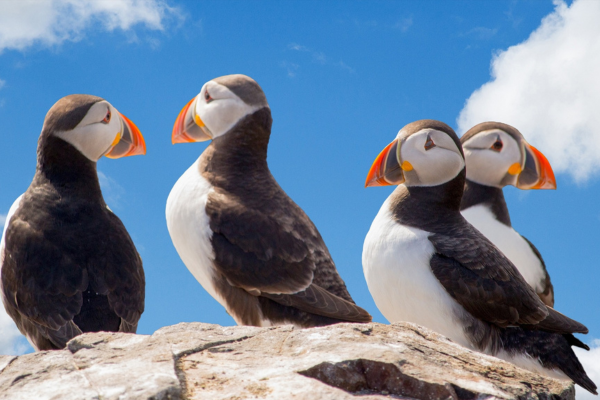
{"points": [[367, 376]]}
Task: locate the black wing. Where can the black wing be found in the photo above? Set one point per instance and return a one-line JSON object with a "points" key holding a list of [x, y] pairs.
{"points": [[54, 253], [482, 280], [40, 281], [122, 277], [547, 295], [319, 301], [280, 254]]}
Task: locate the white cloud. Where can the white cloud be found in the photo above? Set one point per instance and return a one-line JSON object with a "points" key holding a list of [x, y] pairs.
{"points": [[591, 363], [2, 83], [25, 23], [11, 340], [548, 87], [2, 221]]}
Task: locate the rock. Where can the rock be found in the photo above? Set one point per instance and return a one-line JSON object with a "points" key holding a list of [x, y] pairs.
{"points": [[202, 361]]}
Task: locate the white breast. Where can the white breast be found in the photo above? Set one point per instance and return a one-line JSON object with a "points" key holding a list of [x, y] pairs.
{"points": [[396, 267], [529, 363], [189, 227], [11, 212], [8, 328], [509, 242]]}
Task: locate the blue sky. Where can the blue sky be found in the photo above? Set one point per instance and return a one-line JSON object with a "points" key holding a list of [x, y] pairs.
{"points": [[341, 79]]}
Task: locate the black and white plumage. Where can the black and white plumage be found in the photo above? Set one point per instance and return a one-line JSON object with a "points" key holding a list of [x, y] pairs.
{"points": [[424, 263], [67, 263], [247, 243], [497, 155]]}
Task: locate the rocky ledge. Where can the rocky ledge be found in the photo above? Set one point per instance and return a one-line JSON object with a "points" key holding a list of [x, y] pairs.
{"points": [[202, 361]]}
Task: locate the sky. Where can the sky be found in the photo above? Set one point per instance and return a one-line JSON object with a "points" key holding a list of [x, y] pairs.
{"points": [[341, 78]]}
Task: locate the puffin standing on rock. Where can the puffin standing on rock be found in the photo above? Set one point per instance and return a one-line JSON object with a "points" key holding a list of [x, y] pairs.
{"points": [[67, 263], [247, 243], [497, 155], [424, 263]]}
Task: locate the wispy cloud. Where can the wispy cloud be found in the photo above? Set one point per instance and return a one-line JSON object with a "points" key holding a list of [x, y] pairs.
{"points": [[2, 221], [297, 47], [26, 23], [290, 67], [111, 190], [548, 88], [481, 33], [366, 24], [316, 56], [591, 363], [510, 15], [404, 24], [2, 83], [392, 23]]}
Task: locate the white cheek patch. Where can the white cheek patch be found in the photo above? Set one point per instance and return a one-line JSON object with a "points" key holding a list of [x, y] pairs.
{"points": [[435, 166], [486, 166], [91, 137], [222, 113]]}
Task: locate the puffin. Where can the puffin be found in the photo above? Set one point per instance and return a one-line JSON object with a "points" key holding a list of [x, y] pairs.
{"points": [[498, 155], [244, 240], [425, 263], [67, 263]]}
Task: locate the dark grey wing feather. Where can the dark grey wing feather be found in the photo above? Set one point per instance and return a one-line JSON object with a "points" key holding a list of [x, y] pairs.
{"points": [[269, 250], [481, 279], [61, 336], [279, 253], [319, 301], [560, 323], [48, 296], [547, 295], [128, 327], [45, 271], [123, 281]]}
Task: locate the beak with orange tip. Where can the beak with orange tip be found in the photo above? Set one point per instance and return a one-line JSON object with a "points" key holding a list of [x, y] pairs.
{"points": [[189, 127], [386, 169], [129, 141], [536, 171]]}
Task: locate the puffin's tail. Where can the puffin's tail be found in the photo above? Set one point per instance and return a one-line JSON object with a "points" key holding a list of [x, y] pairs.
{"points": [[553, 351]]}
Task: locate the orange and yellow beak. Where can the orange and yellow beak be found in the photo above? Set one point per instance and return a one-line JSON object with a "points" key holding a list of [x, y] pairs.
{"points": [[189, 127], [536, 172], [129, 142], [386, 170]]}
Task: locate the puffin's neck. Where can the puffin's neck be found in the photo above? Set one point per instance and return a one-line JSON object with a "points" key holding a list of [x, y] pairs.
{"points": [[66, 169], [429, 207], [493, 197], [231, 159]]}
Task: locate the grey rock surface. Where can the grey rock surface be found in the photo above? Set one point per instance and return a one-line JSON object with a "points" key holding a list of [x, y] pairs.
{"points": [[202, 361]]}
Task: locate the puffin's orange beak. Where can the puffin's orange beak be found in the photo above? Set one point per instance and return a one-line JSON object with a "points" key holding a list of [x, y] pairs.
{"points": [[537, 172], [130, 142], [385, 169], [189, 127]]}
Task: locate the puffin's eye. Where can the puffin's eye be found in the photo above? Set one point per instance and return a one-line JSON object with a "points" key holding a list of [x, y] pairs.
{"points": [[429, 143], [497, 146], [207, 97], [106, 119]]}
